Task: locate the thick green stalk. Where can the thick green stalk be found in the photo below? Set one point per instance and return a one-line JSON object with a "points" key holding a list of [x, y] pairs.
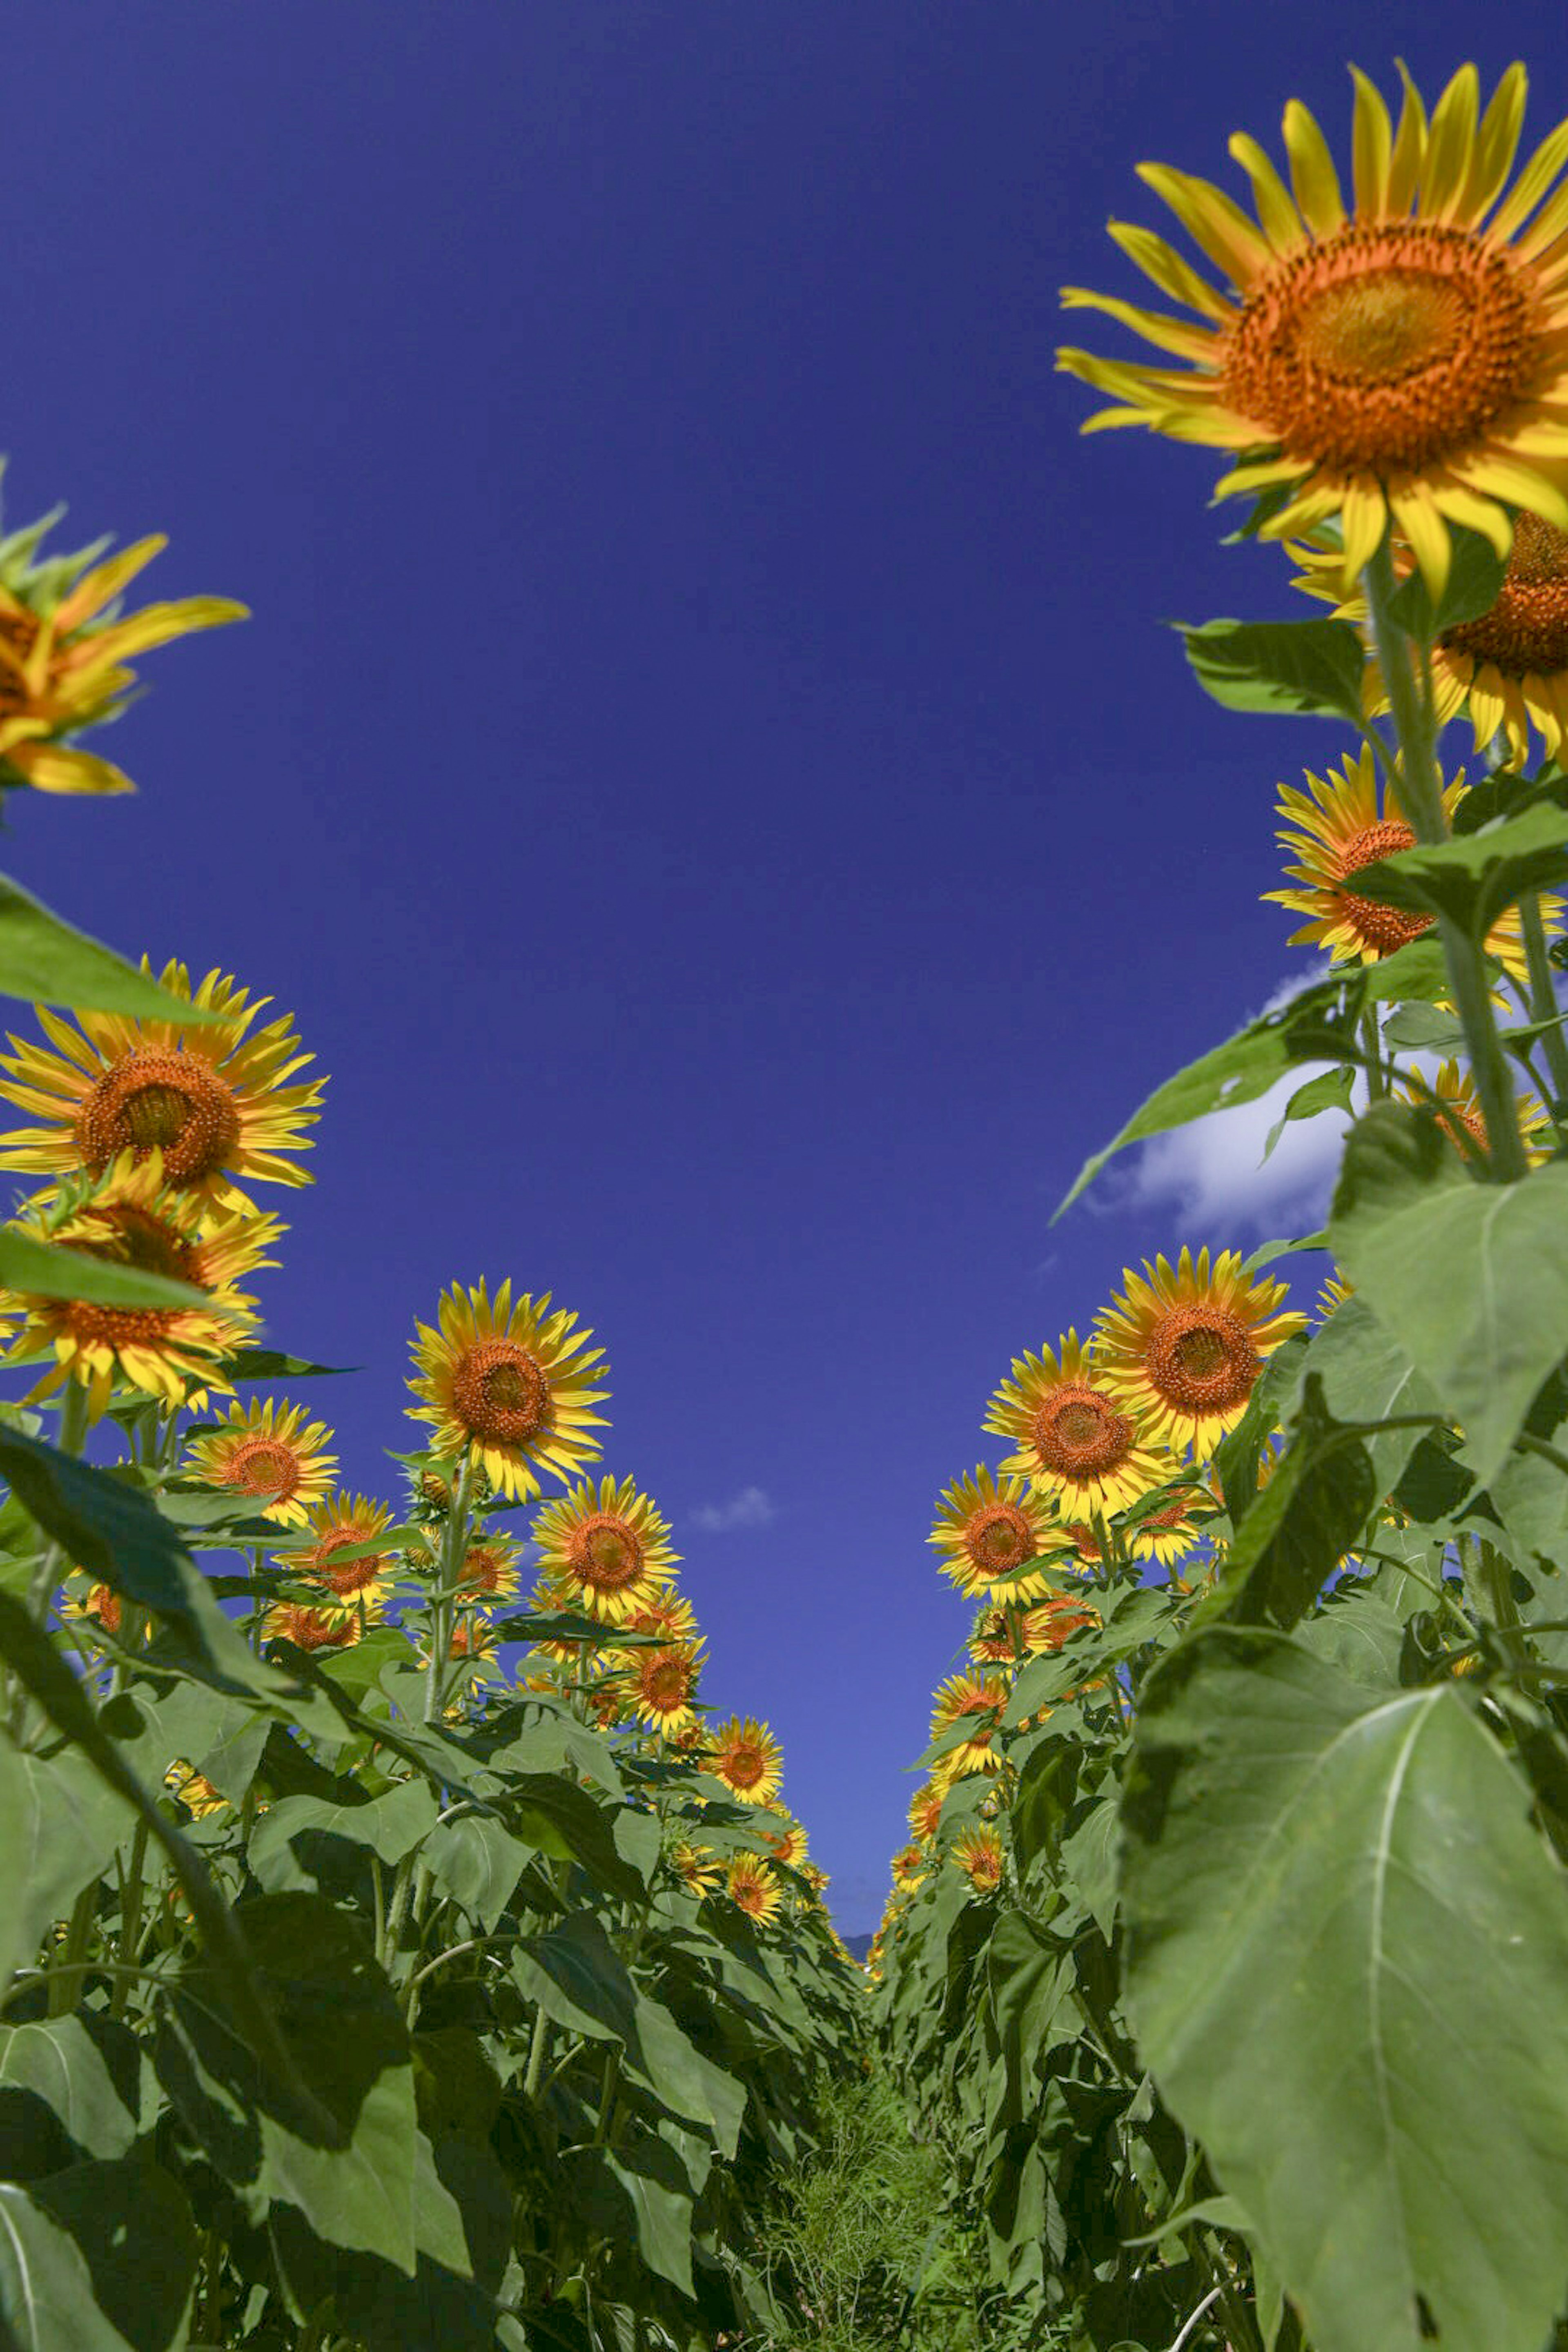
{"points": [[1421, 795], [1544, 993], [130, 1919], [443, 1612]]}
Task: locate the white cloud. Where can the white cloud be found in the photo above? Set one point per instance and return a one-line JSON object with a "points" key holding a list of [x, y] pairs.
{"points": [[750, 1508]]}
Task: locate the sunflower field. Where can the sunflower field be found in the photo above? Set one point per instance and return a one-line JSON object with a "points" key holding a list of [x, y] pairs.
{"points": [[402, 1949]]}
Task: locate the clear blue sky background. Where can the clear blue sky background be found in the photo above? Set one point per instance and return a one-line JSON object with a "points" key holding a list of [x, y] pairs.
{"points": [[705, 770]]}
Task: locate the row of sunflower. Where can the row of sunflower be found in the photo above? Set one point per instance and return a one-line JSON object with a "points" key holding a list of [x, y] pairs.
{"points": [[393, 1958], [1228, 1953]]}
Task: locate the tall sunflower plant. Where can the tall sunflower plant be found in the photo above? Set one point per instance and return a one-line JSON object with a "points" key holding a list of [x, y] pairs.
{"points": [[400, 1950], [1229, 1947]]}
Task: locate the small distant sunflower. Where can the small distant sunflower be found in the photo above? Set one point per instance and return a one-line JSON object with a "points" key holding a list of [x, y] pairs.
{"points": [[490, 1570], [1405, 363], [752, 1887], [1451, 1096], [911, 1864], [699, 1866], [173, 1353], [995, 1638], [976, 1702], [210, 1097], [1183, 1347], [925, 1812], [980, 1855], [64, 650], [818, 1881], [1334, 828], [193, 1790], [747, 1759], [312, 1629], [661, 1684], [101, 1604], [509, 1385], [610, 1548], [988, 1530], [1074, 1439], [270, 1454], [785, 1838], [337, 1527], [473, 1643]]}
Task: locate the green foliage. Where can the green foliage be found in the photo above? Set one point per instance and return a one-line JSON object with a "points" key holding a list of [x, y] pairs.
{"points": [[1312, 667]]}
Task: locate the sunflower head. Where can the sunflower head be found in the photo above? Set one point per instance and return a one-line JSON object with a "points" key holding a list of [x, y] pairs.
{"points": [[193, 1790], [910, 1866], [972, 1707], [490, 1570], [661, 1686], [509, 1385], [312, 1629], [65, 651], [746, 1757], [212, 1098], [608, 1547], [1076, 1440], [1184, 1345], [1451, 1099], [980, 1855], [1399, 359], [698, 1866], [925, 1813], [334, 1563], [989, 1531], [784, 1837], [752, 1887], [271, 1455], [101, 1604]]}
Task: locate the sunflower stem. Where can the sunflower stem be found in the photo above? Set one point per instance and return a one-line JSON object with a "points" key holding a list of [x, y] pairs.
{"points": [[131, 1895], [1543, 1004], [1421, 795], [443, 1613]]}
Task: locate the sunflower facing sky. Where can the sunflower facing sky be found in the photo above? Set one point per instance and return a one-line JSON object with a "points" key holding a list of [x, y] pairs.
{"points": [[987, 1530], [490, 1570], [661, 1684], [63, 656], [270, 1454], [1184, 1345], [1338, 826], [1403, 359], [173, 1353], [508, 1385], [746, 1757], [210, 1096], [974, 1703], [1075, 1440], [341, 1525], [608, 1549], [1450, 1094], [752, 1887]]}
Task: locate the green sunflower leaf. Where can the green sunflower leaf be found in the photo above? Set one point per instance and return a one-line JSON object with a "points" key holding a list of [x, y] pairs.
{"points": [[1301, 665], [50, 1270], [45, 962], [1474, 876], [1475, 581]]}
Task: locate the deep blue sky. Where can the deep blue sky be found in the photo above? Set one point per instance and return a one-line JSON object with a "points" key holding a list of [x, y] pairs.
{"points": [[705, 769]]}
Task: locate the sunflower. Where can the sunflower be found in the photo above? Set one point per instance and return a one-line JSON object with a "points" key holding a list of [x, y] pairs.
{"points": [[752, 1887], [747, 1759], [784, 1837], [101, 1604], [312, 1629], [1333, 1294], [472, 1644], [667, 1612], [610, 1548], [925, 1812], [174, 1353], [270, 1454], [1183, 1347], [1169, 1532], [1075, 1440], [910, 1866], [63, 656], [490, 1570], [1452, 1098], [661, 1684], [193, 1790], [818, 1882], [508, 1385], [210, 1095], [980, 1855], [1406, 362], [699, 1866], [989, 1529], [337, 1527], [1337, 826], [973, 1702]]}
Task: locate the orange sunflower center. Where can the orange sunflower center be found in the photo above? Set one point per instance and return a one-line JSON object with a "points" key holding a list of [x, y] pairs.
{"points": [[1388, 347], [128, 1235], [312, 1629], [1527, 629], [263, 1465], [664, 1682], [604, 1553], [744, 1766], [148, 1100], [1079, 1435], [998, 1537], [484, 1568], [104, 1605], [350, 1575], [1381, 928], [1201, 1359], [500, 1393]]}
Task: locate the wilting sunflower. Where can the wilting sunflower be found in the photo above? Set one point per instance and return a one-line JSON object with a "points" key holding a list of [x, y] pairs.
{"points": [[925, 1812], [1451, 1096], [174, 1353], [337, 1527], [270, 1454], [752, 1887], [1335, 827], [63, 656], [1073, 1438], [312, 1629], [784, 1836], [211, 1097], [490, 1570], [508, 1385], [1406, 361], [747, 1759], [193, 1790], [981, 1856], [1183, 1347], [610, 1548], [974, 1703], [661, 1684], [987, 1530], [699, 1866]]}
